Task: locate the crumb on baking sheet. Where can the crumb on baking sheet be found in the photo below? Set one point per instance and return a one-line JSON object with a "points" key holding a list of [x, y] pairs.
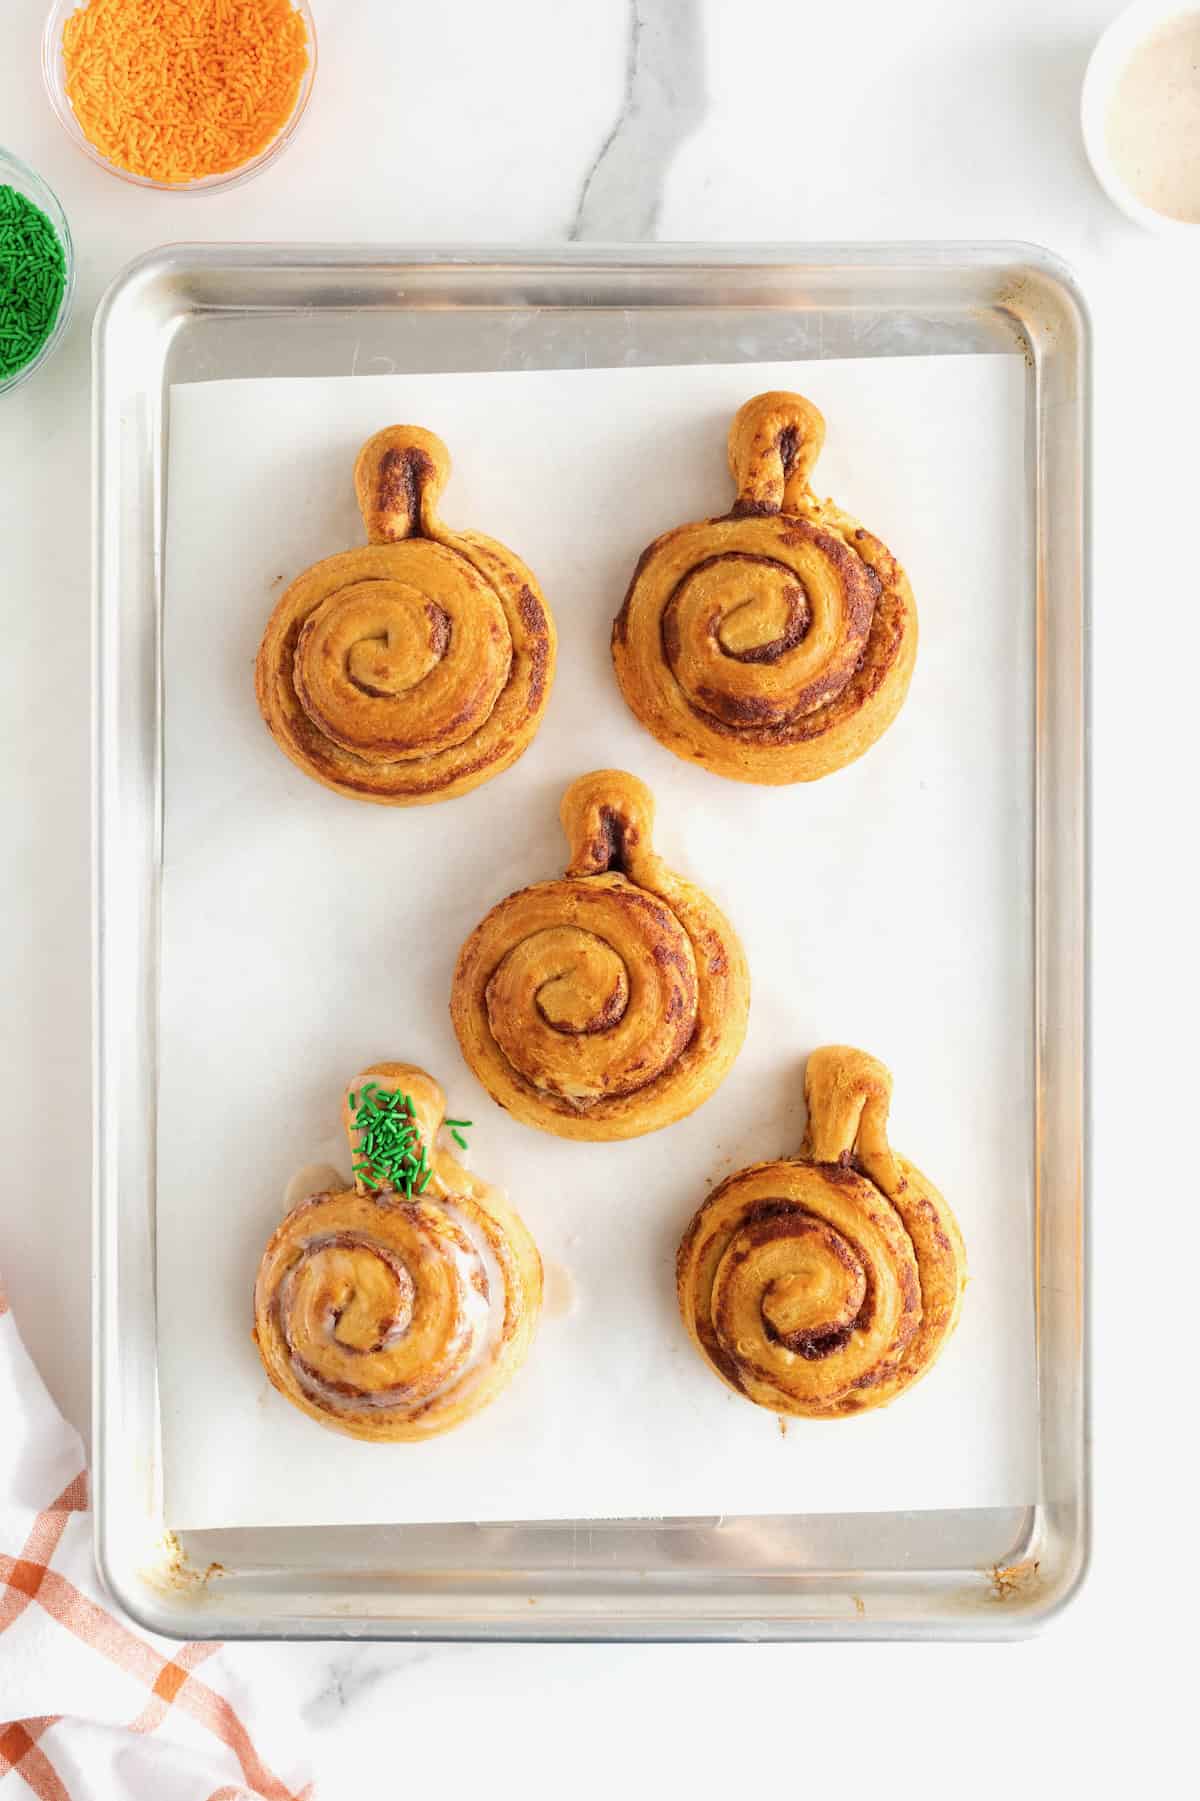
{"points": [[175, 1573], [1008, 1580]]}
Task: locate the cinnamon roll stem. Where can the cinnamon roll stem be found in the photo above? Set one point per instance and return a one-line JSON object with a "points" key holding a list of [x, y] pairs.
{"points": [[398, 480], [608, 817], [774, 443], [848, 1095]]}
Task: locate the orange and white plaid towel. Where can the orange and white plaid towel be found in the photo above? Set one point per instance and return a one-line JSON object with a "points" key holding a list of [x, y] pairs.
{"points": [[90, 1708]]}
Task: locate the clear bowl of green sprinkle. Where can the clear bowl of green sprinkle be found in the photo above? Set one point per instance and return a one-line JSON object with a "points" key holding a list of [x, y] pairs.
{"points": [[37, 271]]}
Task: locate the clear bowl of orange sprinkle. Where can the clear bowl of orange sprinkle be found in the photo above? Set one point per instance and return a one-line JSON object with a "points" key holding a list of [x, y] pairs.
{"points": [[190, 95]]}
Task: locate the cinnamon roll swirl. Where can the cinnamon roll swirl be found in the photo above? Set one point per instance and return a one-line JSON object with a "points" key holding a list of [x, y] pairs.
{"points": [[398, 1308], [416, 668], [775, 644], [827, 1283], [612, 1001]]}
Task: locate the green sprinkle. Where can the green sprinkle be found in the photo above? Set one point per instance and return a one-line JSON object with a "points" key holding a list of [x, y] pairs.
{"points": [[353, 1101], [389, 1152], [33, 279]]}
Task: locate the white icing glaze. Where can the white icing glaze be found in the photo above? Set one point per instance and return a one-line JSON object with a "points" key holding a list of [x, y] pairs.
{"points": [[314, 1178], [481, 1324], [560, 1296], [482, 1289], [488, 1323], [445, 1143]]}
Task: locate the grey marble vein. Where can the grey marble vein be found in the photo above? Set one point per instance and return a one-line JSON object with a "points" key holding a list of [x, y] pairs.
{"points": [[663, 103], [352, 1674]]}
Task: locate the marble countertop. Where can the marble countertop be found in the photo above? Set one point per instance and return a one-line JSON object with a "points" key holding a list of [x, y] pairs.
{"points": [[538, 121]]}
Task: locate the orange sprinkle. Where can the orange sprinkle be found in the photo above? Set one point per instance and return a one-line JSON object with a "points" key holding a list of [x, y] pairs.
{"points": [[179, 89]]}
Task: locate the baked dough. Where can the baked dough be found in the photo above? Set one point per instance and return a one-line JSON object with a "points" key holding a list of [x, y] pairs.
{"points": [[776, 644], [612, 1001], [390, 1317], [415, 668], [827, 1283]]}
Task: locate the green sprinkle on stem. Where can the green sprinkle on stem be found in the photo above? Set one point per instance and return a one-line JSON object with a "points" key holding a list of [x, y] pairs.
{"points": [[460, 1122], [458, 1137], [389, 1153]]}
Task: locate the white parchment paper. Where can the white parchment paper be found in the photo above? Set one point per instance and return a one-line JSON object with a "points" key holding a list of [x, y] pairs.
{"points": [[305, 935]]}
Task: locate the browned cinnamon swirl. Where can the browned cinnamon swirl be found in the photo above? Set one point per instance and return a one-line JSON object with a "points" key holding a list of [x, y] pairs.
{"points": [[415, 668], [827, 1283], [776, 644], [612, 1001]]}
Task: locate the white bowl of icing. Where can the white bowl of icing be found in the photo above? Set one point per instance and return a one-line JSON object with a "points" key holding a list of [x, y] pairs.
{"points": [[1140, 114]]}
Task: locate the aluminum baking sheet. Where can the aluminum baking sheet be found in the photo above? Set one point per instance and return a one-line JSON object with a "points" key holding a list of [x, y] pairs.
{"points": [[194, 314]]}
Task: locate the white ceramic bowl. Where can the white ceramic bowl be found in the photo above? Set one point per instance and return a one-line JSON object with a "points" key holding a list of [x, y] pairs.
{"points": [[54, 74], [1129, 29]]}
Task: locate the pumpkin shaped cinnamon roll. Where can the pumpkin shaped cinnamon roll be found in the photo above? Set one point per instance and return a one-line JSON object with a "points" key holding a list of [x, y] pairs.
{"points": [[417, 667], [775, 644], [826, 1283], [612, 1001], [400, 1306]]}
